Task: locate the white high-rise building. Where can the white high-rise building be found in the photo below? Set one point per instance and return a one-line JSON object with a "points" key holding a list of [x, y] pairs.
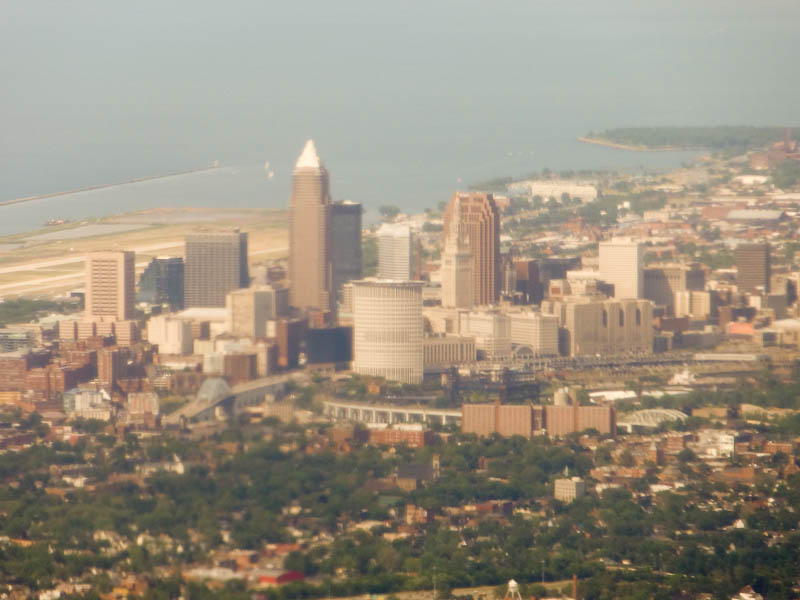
{"points": [[491, 330], [249, 309], [621, 263], [387, 329], [394, 252], [172, 336], [458, 270], [536, 331]]}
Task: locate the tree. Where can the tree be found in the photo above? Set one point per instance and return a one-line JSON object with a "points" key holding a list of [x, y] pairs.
{"points": [[626, 458], [787, 174], [369, 254], [388, 212]]}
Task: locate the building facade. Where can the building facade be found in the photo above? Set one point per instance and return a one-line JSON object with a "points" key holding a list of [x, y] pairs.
{"points": [[387, 331], [485, 419], [695, 305], [345, 243], [491, 330], [110, 286], [595, 325], [310, 268], [663, 282], [442, 350], [753, 264], [394, 252], [569, 489], [172, 336], [536, 331], [162, 282], [216, 263], [458, 270], [621, 264], [110, 367], [476, 215], [249, 309], [528, 280]]}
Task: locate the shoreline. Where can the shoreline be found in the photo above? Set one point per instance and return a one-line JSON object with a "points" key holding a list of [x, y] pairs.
{"points": [[101, 186], [629, 147]]}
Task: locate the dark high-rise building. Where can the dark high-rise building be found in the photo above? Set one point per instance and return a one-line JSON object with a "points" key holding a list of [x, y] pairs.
{"points": [[345, 232], [528, 280], [480, 223], [556, 268], [216, 263], [162, 282], [753, 267], [289, 334], [331, 345], [310, 270]]}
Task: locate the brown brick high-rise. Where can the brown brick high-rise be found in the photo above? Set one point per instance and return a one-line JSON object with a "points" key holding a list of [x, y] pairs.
{"points": [[753, 267], [480, 221], [310, 269], [110, 286]]}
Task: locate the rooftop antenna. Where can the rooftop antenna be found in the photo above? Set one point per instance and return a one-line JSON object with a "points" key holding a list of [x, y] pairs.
{"points": [[513, 591]]}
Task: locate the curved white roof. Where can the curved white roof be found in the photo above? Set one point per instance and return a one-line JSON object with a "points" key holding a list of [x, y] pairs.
{"points": [[652, 417], [213, 390]]}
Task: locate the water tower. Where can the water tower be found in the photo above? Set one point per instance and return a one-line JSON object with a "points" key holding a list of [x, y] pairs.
{"points": [[513, 591]]}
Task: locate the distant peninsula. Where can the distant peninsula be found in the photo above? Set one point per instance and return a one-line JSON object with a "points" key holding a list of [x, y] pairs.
{"points": [[652, 139]]}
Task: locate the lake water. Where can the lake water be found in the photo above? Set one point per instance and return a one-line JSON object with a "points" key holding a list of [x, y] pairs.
{"points": [[406, 101]]}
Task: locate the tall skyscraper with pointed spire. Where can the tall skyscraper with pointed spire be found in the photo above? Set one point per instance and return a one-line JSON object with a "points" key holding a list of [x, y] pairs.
{"points": [[309, 233], [479, 219]]}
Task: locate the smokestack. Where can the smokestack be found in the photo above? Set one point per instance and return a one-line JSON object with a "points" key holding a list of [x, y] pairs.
{"points": [[787, 140]]}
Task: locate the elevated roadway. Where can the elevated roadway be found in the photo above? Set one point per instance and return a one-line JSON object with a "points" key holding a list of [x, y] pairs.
{"points": [[367, 412]]}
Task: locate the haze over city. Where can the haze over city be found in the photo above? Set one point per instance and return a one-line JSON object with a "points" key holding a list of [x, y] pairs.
{"points": [[369, 301], [406, 98]]}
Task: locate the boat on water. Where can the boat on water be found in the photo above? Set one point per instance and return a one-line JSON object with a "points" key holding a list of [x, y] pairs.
{"points": [[56, 221]]}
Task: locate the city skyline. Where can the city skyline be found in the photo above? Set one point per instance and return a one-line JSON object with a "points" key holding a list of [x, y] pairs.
{"points": [[295, 304]]}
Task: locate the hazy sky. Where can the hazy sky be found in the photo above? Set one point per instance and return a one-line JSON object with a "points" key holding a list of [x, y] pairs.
{"points": [[96, 91]]}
